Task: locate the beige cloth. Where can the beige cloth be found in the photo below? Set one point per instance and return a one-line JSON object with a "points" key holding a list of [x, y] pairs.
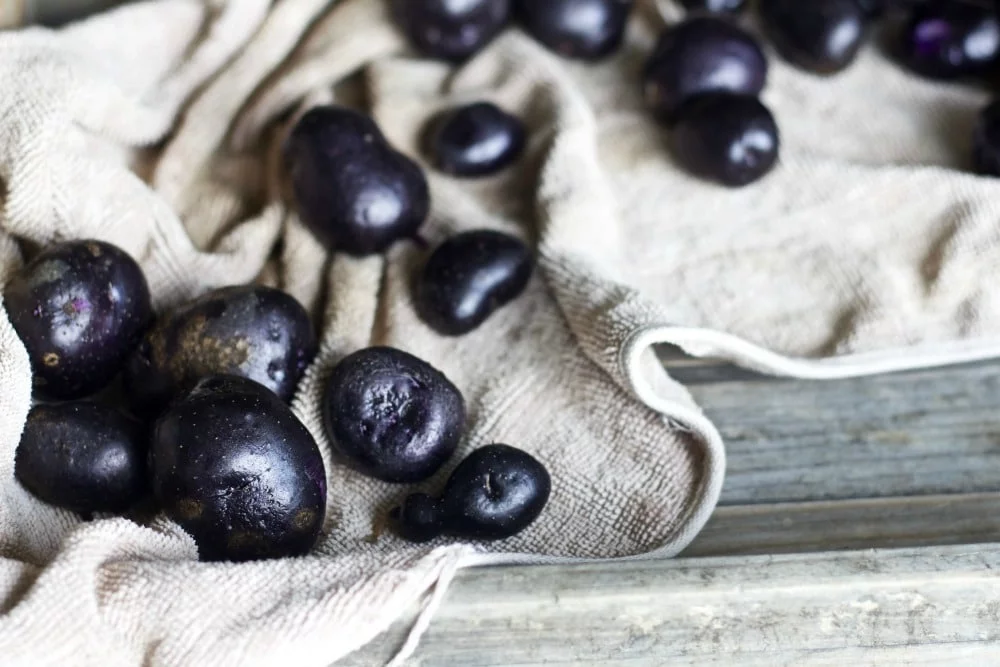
{"points": [[864, 251]]}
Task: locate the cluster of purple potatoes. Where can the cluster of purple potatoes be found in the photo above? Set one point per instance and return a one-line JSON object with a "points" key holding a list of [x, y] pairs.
{"points": [[187, 411]]}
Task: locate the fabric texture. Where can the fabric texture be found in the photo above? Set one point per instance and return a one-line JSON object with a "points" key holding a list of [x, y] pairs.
{"points": [[158, 127]]}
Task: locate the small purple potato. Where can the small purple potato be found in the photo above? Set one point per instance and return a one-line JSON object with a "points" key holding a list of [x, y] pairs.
{"points": [[468, 277], [495, 493]]}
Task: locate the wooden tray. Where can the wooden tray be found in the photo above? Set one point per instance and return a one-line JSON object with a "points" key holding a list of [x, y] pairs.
{"points": [[859, 525]]}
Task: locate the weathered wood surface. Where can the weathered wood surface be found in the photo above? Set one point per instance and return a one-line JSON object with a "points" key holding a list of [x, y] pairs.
{"points": [[905, 460], [926, 432], [900, 607], [850, 524]]}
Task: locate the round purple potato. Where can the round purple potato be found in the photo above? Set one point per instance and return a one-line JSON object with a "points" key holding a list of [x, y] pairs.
{"points": [[355, 192], [821, 36], [579, 29], [83, 457], [701, 55], [730, 139], [392, 416], [986, 141], [714, 6], [251, 331], [495, 493], [79, 308], [949, 40], [478, 139], [238, 471], [450, 29], [468, 277]]}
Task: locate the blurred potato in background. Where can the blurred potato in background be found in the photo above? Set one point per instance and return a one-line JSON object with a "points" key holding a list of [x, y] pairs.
{"points": [[16, 13]]}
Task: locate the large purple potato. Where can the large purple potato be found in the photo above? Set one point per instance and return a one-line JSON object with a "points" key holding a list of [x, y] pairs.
{"points": [[254, 332], [237, 470], [79, 308]]}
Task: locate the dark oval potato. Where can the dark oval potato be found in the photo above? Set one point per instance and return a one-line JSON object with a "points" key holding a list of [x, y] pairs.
{"points": [[730, 139], [949, 40], [450, 29], [580, 29], [495, 493], [251, 331], [354, 191], [476, 140], [238, 471], [702, 55], [79, 308], [83, 457], [392, 416], [468, 277], [821, 36]]}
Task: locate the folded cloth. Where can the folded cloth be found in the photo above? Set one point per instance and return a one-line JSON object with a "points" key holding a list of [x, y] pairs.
{"points": [[159, 127]]}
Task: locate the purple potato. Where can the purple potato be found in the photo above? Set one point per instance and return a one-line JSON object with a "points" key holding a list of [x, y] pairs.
{"points": [[83, 457], [579, 29], [238, 471], [495, 493], [468, 277], [251, 331], [392, 416], [476, 140], [949, 40], [821, 36], [79, 308], [355, 192], [730, 139], [450, 30], [701, 55]]}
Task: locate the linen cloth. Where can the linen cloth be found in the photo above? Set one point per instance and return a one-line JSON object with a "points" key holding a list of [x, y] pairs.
{"points": [[159, 127]]}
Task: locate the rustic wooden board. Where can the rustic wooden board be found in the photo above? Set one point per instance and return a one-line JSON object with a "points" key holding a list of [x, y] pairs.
{"points": [[926, 432], [850, 524], [897, 607]]}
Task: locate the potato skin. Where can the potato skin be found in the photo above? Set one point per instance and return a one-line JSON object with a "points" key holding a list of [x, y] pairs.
{"points": [[255, 332], [238, 471], [79, 308], [83, 457]]}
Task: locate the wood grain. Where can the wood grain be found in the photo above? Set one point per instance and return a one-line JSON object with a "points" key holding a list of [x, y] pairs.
{"points": [[897, 607]]}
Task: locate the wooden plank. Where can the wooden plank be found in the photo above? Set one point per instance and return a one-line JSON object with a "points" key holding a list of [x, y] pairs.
{"points": [[850, 524], [925, 432], [895, 607]]}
